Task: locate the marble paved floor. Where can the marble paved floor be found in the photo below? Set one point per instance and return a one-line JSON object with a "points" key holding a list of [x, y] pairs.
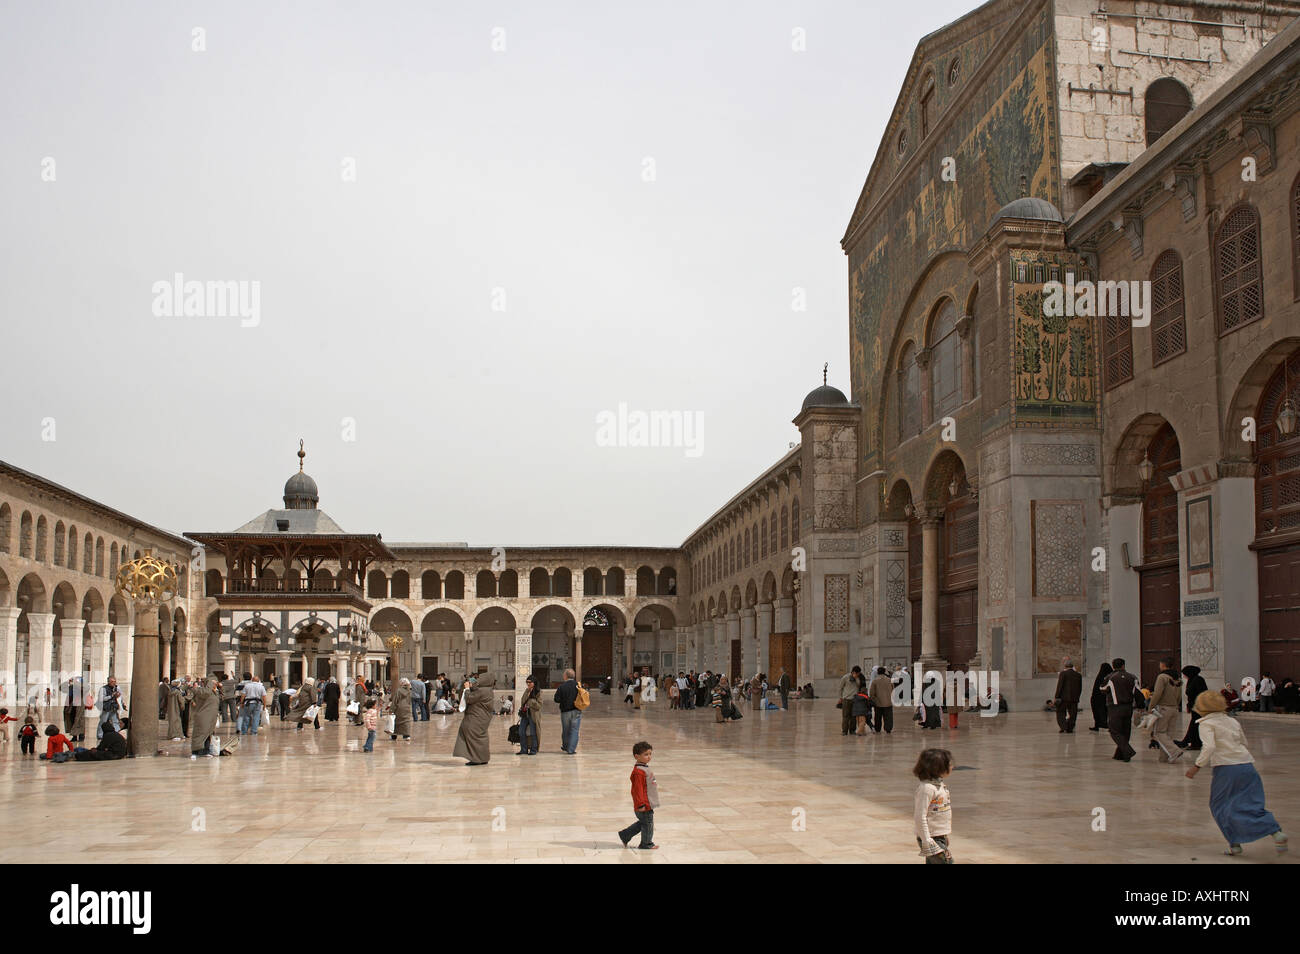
{"points": [[730, 793]]}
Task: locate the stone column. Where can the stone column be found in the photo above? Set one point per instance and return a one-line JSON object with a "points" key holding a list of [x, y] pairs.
{"points": [[748, 656], [123, 662], [142, 739], [577, 652], [164, 645], [523, 660], [230, 664], [965, 324], [762, 632], [71, 633], [282, 666], [733, 634], [9, 694], [784, 615], [341, 670], [930, 592], [40, 648], [99, 633]]}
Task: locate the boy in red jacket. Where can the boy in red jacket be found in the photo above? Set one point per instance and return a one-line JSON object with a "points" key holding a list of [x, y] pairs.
{"points": [[645, 798]]}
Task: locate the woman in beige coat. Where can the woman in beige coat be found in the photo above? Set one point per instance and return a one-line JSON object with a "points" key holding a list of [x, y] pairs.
{"points": [[305, 699]]}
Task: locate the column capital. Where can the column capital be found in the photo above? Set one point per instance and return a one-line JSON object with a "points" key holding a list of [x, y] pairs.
{"points": [[71, 627], [99, 630], [10, 614]]}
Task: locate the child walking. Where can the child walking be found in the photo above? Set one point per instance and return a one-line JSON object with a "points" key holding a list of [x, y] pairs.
{"points": [[27, 736], [5, 718], [933, 806], [370, 719], [645, 798]]}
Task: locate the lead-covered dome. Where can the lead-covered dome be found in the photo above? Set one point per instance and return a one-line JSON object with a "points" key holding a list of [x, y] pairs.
{"points": [[1030, 207], [300, 491]]}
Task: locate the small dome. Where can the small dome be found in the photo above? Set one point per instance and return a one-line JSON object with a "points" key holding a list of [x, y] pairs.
{"points": [[300, 493], [1030, 207], [825, 396]]}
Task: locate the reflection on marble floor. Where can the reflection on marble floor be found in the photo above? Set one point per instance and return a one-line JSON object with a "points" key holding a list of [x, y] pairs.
{"points": [[730, 793]]}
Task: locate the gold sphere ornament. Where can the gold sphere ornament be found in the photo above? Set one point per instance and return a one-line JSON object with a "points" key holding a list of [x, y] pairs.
{"points": [[147, 579]]}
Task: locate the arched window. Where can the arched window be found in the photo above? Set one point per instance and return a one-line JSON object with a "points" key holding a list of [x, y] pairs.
{"points": [[88, 555], [762, 536], [42, 539], [1168, 324], [112, 560], [744, 552], [377, 585], [1167, 101], [592, 580], [909, 399], [72, 548], [454, 585], [794, 522], [25, 535], [401, 586], [508, 585], [430, 585], [1160, 502], [615, 582], [1295, 235], [6, 527], [539, 582], [1117, 349], [562, 582], [99, 556], [60, 538], [785, 528], [753, 553], [485, 584], [945, 361], [1238, 269], [772, 535]]}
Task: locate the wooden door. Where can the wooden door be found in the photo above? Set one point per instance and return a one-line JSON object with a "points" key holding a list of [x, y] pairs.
{"points": [[965, 632], [782, 651], [1279, 611], [430, 664], [542, 676], [1161, 635], [735, 661], [597, 653]]}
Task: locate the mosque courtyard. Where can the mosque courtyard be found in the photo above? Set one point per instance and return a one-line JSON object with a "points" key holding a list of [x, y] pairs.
{"points": [[783, 787]]}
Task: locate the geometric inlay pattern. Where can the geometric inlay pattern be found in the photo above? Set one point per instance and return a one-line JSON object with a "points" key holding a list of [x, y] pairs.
{"points": [[837, 603], [1058, 541]]}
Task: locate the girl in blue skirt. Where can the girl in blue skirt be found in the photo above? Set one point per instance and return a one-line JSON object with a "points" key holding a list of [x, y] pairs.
{"points": [[1236, 794]]}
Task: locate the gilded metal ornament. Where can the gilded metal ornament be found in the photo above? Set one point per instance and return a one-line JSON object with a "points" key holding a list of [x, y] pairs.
{"points": [[147, 580]]}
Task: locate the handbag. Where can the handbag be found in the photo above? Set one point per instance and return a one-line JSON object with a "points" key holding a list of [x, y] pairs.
{"points": [[464, 700], [311, 712], [390, 724], [354, 708], [266, 716], [513, 735]]}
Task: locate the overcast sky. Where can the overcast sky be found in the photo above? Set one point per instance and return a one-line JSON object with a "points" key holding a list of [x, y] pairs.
{"points": [[615, 208]]}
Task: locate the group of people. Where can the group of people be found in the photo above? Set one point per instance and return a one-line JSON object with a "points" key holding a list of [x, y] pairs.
{"points": [[1236, 792], [692, 690]]}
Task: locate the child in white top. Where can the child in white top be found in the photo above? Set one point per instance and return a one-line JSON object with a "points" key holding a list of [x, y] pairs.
{"points": [[933, 806]]}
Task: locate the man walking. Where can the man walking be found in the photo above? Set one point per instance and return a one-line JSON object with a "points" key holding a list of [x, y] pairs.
{"points": [[1069, 689], [254, 694], [566, 697], [848, 689], [417, 699], [881, 694], [229, 707], [1165, 697], [1119, 687], [110, 698], [783, 686], [1266, 689]]}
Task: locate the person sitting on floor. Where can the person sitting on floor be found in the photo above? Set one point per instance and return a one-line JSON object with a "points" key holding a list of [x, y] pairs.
{"points": [[111, 747]]}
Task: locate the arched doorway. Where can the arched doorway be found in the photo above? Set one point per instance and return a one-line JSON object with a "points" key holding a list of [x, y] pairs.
{"points": [[1277, 521], [597, 645], [1161, 634], [959, 579]]}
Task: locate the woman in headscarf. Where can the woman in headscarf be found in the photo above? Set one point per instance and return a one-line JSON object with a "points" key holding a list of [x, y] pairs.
{"points": [[1236, 794], [1098, 700], [530, 712], [401, 708], [648, 693], [205, 700], [1196, 684], [931, 701], [359, 695], [175, 726], [302, 701], [862, 705], [472, 739]]}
